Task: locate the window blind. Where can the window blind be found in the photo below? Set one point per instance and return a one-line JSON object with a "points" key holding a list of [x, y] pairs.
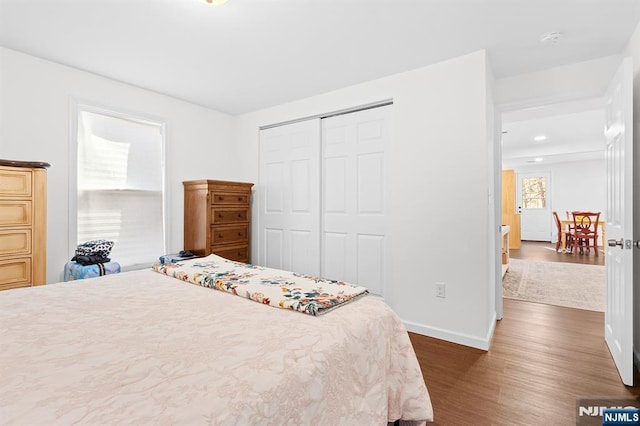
{"points": [[120, 183]]}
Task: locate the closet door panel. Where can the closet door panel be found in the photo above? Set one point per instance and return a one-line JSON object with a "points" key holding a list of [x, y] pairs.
{"points": [[300, 259], [274, 190], [371, 184], [371, 262], [354, 197], [290, 178], [334, 185], [335, 257], [273, 248]]}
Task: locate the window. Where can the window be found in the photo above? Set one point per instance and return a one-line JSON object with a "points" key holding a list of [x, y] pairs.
{"points": [[534, 193], [120, 184]]}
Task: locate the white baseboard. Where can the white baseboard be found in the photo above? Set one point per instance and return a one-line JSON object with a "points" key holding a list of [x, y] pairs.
{"points": [[454, 337]]}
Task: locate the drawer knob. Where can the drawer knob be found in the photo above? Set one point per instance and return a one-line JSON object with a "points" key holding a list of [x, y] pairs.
{"points": [[239, 214], [239, 234], [219, 216], [239, 198], [220, 198], [220, 236]]}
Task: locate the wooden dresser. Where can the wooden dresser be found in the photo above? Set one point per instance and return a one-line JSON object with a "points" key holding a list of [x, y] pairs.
{"points": [[217, 218], [23, 224]]}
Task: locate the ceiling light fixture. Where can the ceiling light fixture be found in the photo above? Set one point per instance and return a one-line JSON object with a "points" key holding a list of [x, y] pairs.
{"points": [[551, 37], [540, 138], [539, 159], [216, 2]]}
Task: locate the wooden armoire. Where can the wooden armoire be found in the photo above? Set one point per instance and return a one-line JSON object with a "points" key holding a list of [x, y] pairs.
{"points": [[510, 215], [23, 224], [217, 218]]}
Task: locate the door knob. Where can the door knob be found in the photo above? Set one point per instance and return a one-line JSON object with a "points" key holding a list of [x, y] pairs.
{"points": [[613, 243]]}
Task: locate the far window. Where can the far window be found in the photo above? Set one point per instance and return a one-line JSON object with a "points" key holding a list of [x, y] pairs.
{"points": [[534, 193], [120, 181]]}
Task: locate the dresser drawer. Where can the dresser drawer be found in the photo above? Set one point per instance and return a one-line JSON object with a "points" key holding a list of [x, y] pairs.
{"points": [[226, 198], [15, 183], [229, 215], [15, 242], [15, 273], [229, 234], [238, 253], [15, 213]]}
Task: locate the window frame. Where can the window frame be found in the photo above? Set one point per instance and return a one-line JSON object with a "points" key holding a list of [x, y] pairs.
{"points": [[544, 198], [76, 107]]}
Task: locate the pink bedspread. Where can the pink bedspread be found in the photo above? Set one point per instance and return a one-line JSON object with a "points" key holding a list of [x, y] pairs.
{"points": [[144, 348]]}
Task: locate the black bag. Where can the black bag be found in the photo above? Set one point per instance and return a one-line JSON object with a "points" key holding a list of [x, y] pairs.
{"points": [[99, 248]]}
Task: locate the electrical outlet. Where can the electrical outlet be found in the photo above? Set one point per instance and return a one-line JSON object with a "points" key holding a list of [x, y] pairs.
{"points": [[440, 290]]}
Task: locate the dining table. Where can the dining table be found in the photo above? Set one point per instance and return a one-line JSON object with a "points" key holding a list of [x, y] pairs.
{"points": [[565, 226]]}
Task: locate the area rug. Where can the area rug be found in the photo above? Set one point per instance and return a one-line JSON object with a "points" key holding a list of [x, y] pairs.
{"points": [[555, 283]]}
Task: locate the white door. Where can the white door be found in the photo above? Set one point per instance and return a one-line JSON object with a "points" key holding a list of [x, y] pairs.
{"points": [[290, 197], [355, 245], [619, 227], [532, 198]]}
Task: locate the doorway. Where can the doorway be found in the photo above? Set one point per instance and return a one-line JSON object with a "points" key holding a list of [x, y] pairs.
{"points": [[532, 195], [557, 154]]}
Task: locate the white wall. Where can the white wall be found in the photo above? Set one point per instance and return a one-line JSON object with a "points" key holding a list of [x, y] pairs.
{"points": [[633, 50], [439, 174], [576, 185], [34, 125], [582, 80]]}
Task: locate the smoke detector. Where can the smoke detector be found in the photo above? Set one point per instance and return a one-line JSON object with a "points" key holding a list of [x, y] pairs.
{"points": [[551, 37]]}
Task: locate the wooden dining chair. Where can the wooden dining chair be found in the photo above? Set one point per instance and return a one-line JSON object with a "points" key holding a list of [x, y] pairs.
{"points": [[585, 232], [569, 217], [568, 239]]}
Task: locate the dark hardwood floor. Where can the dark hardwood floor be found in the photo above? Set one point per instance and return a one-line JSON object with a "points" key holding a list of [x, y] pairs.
{"points": [[546, 252], [541, 359]]}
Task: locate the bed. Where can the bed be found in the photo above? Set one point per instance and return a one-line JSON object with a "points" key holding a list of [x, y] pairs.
{"points": [[143, 347]]}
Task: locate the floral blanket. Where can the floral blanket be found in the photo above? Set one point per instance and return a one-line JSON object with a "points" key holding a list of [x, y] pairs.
{"points": [[281, 289]]}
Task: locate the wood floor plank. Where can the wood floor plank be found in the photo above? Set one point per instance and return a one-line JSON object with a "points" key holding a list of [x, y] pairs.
{"points": [[541, 359]]}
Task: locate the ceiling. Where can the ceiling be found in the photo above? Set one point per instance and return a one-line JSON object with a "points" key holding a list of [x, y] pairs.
{"points": [[573, 131], [250, 54]]}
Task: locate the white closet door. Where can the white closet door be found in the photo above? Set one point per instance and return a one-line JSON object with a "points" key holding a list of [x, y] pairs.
{"points": [[354, 237], [290, 197]]}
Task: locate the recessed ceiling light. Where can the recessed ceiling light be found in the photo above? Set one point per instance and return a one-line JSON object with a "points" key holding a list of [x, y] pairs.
{"points": [[539, 159], [540, 138], [551, 37]]}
